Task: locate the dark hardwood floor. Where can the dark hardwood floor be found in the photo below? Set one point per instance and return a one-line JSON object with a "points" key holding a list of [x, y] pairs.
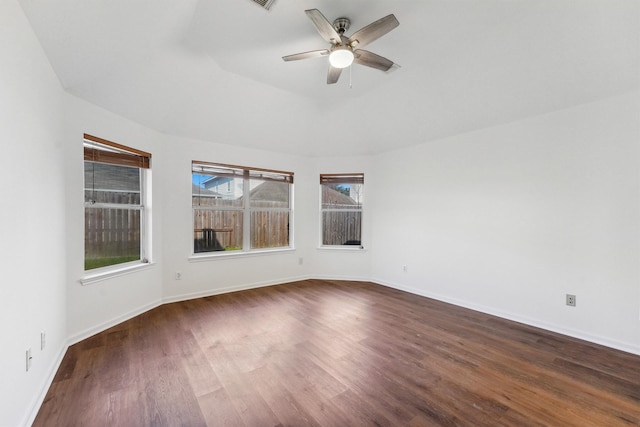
{"points": [[330, 353]]}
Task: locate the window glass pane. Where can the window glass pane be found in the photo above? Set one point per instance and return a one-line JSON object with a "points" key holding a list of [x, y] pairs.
{"points": [[112, 236], [239, 208], [341, 209], [217, 230], [342, 196], [106, 183], [269, 229], [341, 227], [212, 190], [269, 194]]}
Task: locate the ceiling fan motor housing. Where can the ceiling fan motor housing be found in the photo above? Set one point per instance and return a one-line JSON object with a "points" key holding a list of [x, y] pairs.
{"points": [[341, 25]]}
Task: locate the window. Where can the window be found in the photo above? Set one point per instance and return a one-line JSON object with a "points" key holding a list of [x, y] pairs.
{"points": [[341, 209], [115, 179], [236, 208]]}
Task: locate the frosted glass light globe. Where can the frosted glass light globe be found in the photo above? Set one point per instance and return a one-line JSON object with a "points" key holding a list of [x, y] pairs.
{"points": [[341, 57]]}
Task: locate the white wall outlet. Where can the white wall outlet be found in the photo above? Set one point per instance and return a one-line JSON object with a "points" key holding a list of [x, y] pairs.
{"points": [[571, 300], [43, 340], [178, 275], [300, 261], [404, 268]]}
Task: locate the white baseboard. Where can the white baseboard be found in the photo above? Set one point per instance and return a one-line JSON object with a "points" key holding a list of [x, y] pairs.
{"points": [[37, 401], [345, 278], [112, 322], [596, 339], [228, 289]]}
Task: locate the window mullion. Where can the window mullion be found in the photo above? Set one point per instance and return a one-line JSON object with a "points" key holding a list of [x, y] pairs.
{"points": [[246, 216], [145, 221]]}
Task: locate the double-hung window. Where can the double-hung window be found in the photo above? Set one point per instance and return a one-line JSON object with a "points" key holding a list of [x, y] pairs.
{"points": [[341, 209], [115, 180], [237, 208]]}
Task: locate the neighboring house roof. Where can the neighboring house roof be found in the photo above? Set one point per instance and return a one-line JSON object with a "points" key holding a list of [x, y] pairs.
{"points": [[199, 191], [277, 192], [214, 181], [334, 197], [271, 191]]}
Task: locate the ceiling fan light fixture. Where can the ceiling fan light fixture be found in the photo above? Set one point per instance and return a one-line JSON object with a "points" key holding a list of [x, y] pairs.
{"points": [[341, 51], [341, 57]]}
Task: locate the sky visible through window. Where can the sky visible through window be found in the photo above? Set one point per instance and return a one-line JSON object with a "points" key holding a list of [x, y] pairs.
{"points": [[198, 179]]}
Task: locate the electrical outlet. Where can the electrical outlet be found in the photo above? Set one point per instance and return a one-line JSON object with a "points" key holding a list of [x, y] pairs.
{"points": [[571, 300], [178, 275], [300, 261], [43, 340], [28, 361], [404, 268]]}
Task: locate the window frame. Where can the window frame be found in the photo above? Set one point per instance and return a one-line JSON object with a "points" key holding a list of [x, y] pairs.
{"points": [[100, 150], [341, 178], [247, 174]]}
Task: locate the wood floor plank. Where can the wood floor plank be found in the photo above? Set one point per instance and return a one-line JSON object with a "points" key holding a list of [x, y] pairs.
{"points": [[218, 409], [289, 407], [337, 353], [249, 404]]}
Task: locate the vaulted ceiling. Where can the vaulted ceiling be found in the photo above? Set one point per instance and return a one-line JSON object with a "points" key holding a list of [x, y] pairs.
{"points": [[213, 69]]}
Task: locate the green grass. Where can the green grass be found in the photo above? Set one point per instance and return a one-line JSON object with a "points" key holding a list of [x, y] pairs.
{"points": [[90, 264]]}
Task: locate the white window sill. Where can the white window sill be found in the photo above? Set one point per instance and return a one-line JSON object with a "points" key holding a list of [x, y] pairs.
{"points": [[110, 272], [343, 248], [218, 255]]}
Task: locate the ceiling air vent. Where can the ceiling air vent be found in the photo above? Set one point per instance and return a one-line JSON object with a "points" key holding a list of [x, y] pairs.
{"points": [[265, 4]]}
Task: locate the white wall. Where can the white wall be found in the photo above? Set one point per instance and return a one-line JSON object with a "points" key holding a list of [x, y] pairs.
{"points": [[32, 218], [508, 220], [211, 276], [93, 307], [348, 263], [224, 274]]}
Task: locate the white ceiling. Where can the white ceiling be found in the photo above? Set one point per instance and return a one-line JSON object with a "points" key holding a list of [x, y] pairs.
{"points": [[212, 69]]}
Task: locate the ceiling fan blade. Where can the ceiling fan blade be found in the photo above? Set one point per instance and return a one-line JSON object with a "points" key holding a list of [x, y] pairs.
{"points": [[333, 75], [323, 26], [306, 55], [373, 31], [370, 59]]}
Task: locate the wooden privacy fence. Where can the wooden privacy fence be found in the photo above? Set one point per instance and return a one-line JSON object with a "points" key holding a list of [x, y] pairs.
{"points": [[341, 228], [216, 230], [269, 229], [116, 232], [111, 232]]}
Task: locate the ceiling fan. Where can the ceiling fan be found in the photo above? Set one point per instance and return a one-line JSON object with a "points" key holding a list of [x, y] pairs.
{"points": [[346, 50]]}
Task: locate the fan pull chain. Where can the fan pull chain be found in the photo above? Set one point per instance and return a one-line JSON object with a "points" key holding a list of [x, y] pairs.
{"points": [[350, 68]]}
